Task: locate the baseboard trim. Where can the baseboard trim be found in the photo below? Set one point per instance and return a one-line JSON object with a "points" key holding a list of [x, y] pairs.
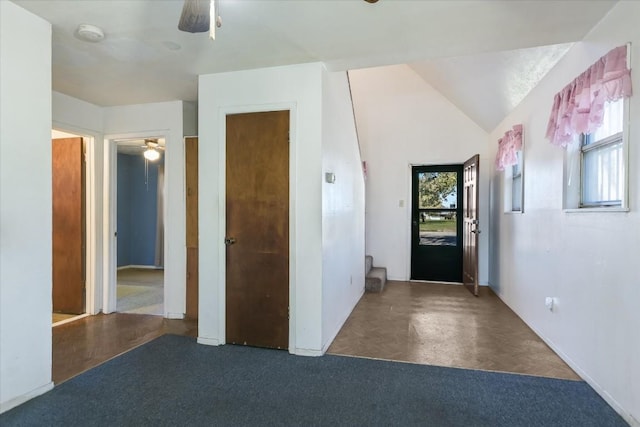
{"points": [[208, 341], [143, 267], [19, 400], [307, 352], [178, 316], [586, 377]]}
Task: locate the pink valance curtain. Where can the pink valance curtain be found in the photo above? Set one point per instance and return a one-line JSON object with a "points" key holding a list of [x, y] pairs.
{"points": [[579, 107], [508, 145]]}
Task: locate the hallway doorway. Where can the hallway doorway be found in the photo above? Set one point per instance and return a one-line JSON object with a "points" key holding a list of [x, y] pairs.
{"points": [[139, 201]]}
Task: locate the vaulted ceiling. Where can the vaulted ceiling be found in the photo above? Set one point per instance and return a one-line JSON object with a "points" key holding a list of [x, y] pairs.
{"points": [[468, 50]]}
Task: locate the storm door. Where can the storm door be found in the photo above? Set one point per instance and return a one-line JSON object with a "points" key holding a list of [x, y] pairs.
{"points": [[436, 224]]}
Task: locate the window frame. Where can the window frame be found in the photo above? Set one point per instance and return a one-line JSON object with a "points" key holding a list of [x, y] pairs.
{"points": [[509, 178], [517, 171], [586, 146], [574, 159]]}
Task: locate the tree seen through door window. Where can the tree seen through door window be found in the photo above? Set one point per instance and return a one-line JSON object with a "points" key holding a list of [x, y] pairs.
{"points": [[437, 190]]}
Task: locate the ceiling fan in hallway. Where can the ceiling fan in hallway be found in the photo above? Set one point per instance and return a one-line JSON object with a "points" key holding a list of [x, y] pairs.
{"points": [[197, 15], [152, 149]]}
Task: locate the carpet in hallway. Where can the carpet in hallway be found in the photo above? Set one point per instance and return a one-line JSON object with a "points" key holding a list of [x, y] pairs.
{"points": [[174, 381]]}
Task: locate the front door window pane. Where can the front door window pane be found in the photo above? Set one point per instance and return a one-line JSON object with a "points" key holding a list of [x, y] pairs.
{"points": [[438, 228], [437, 190]]}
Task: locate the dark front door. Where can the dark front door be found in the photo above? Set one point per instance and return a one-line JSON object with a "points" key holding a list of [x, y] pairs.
{"points": [[68, 225], [436, 224], [257, 229]]}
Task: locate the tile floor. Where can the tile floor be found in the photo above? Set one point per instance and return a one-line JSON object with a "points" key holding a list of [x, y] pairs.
{"points": [[413, 322], [442, 324]]}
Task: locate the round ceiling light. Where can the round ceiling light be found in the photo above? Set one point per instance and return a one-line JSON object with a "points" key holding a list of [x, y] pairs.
{"points": [[151, 154], [89, 33]]}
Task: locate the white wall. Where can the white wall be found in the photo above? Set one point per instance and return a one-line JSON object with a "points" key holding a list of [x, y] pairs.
{"points": [[163, 118], [75, 115], [298, 88], [403, 121], [190, 118], [342, 208], [586, 260], [25, 205], [84, 119]]}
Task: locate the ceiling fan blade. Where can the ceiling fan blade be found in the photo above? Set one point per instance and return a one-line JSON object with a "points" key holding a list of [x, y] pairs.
{"points": [[195, 16]]}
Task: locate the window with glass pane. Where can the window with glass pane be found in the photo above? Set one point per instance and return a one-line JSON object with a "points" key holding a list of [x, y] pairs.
{"points": [[438, 195], [516, 184], [602, 163]]}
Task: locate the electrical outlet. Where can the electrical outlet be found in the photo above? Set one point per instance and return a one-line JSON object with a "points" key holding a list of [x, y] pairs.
{"points": [[550, 303]]}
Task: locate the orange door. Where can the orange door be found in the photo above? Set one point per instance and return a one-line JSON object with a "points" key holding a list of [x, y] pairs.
{"points": [[68, 225], [470, 225], [257, 227]]}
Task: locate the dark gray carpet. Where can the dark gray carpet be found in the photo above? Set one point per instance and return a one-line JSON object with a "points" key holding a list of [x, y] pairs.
{"points": [[172, 381]]}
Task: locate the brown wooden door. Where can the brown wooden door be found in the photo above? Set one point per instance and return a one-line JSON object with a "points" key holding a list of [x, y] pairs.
{"points": [[257, 229], [470, 225], [191, 173], [68, 225]]}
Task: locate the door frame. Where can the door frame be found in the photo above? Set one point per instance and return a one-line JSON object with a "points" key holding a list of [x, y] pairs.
{"points": [[110, 215], [93, 302], [459, 221], [408, 211], [222, 208]]}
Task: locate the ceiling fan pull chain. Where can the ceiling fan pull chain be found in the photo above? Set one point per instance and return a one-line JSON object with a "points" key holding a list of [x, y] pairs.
{"points": [[215, 19], [212, 18], [218, 19], [146, 173]]}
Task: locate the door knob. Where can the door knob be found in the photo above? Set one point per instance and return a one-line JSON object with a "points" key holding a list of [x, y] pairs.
{"points": [[229, 241]]}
